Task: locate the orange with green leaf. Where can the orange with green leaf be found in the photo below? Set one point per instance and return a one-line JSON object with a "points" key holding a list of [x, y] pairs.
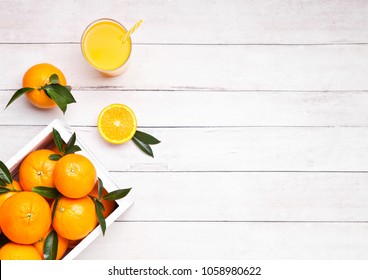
{"points": [[45, 87], [51, 246], [26, 217], [117, 124]]}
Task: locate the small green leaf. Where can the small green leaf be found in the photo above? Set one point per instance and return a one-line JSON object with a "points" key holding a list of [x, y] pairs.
{"points": [[143, 146], [48, 192], [102, 207], [4, 190], [99, 188], [55, 157], [146, 138], [2, 183], [5, 173], [73, 150], [71, 141], [114, 195], [64, 91], [59, 99], [54, 79], [55, 206], [18, 94], [50, 246], [101, 219], [58, 140]]}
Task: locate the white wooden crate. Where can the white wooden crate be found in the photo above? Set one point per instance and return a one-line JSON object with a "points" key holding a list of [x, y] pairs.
{"points": [[44, 139]]}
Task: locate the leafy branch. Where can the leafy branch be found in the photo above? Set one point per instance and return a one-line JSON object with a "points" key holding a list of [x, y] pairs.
{"points": [[143, 141], [53, 89], [99, 207], [69, 148]]}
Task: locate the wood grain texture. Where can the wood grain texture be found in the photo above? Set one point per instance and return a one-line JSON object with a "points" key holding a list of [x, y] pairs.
{"points": [[238, 149], [260, 107], [202, 67], [231, 196], [191, 22], [202, 108], [231, 241]]}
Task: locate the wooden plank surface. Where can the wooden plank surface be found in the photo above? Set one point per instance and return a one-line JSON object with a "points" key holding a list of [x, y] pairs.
{"points": [[260, 107], [246, 196], [170, 240], [191, 22], [203, 67], [204, 108], [236, 149]]}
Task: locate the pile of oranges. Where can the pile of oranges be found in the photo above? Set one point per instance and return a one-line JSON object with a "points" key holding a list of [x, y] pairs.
{"points": [[27, 218]]}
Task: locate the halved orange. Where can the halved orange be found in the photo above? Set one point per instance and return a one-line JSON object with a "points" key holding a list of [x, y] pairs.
{"points": [[117, 123]]}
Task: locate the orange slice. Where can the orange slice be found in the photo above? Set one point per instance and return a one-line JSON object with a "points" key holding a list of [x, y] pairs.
{"points": [[117, 123]]}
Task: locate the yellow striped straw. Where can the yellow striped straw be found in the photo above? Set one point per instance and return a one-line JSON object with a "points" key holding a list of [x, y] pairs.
{"points": [[130, 32]]}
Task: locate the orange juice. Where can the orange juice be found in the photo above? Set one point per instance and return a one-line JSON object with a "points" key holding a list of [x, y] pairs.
{"points": [[103, 48]]}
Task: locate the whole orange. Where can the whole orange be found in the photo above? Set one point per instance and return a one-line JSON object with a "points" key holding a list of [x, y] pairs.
{"points": [[74, 176], [109, 205], [14, 251], [13, 187], [61, 249], [74, 218], [37, 170], [25, 217], [38, 76]]}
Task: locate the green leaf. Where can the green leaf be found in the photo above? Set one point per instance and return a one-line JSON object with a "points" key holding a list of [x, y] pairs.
{"points": [[143, 146], [48, 192], [101, 219], [5, 173], [58, 140], [71, 141], [73, 150], [102, 207], [55, 206], [64, 91], [146, 138], [59, 99], [99, 188], [54, 79], [55, 157], [114, 195], [50, 246], [4, 190], [18, 94], [2, 183]]}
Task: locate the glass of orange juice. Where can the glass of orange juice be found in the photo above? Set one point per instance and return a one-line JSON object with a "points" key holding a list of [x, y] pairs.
{"points": [[103, 47]]}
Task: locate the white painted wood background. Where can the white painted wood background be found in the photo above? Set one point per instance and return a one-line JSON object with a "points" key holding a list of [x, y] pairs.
{"points": [[261, 106]]}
